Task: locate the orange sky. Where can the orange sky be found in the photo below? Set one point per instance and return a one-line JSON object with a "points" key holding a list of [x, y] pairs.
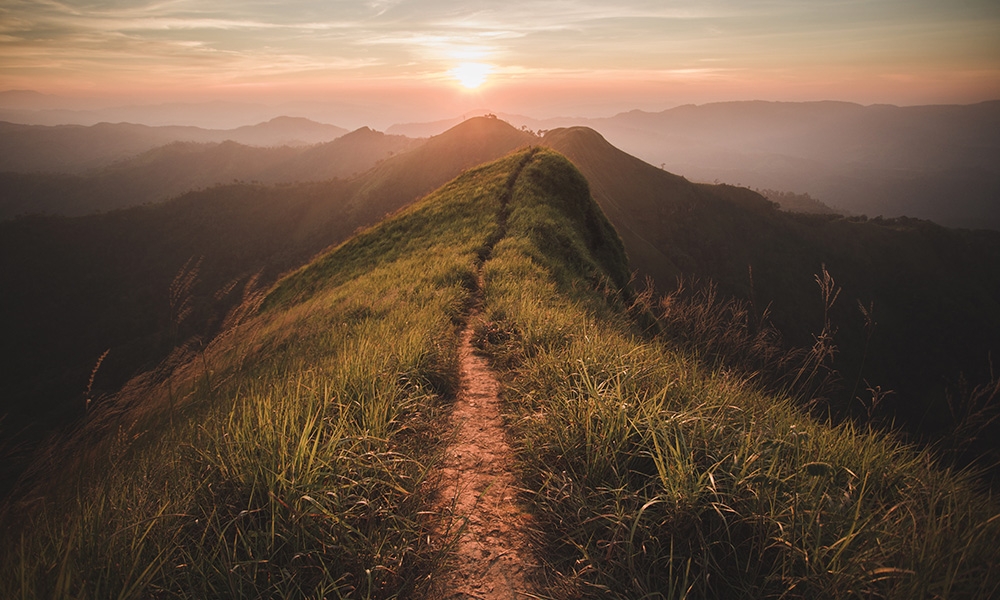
{"points": [[541, 57]]}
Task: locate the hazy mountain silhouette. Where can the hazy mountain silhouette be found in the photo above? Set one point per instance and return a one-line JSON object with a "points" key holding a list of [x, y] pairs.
{"points": [[931, 162], [347, 155], [169, 170], [285, 131], [75, 148]]}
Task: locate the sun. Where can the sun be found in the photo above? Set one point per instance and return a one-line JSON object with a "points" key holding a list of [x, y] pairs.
{"points": [[471, 75]]}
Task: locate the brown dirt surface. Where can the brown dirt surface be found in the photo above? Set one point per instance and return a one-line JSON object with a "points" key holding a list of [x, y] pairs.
{"points": [[477, 496]]}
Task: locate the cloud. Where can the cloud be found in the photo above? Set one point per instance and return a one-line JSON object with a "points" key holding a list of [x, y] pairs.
{"points": [[226, 39]]}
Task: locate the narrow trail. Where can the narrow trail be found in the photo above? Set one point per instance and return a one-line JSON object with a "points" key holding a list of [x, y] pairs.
{"points": [[492, 557], [476, 493]]}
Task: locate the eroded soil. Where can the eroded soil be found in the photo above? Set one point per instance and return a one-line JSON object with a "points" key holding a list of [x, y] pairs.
{"points": [[492, 557]]}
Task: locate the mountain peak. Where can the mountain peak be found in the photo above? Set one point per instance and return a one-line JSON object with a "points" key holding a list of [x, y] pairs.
{"points": [[488, 123], [361, 133], [484, 139], [576, 133]]}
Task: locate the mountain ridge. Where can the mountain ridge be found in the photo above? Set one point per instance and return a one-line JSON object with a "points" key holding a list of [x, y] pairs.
{"points": [[293, 454], [108, 274], [934, 162], [78, 148], [671, 227], [935, 287]]}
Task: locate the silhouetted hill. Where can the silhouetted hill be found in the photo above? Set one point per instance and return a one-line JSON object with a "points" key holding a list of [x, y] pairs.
{"points": [[75, 287], [347, 155], [931, 162], [285, 131], [75, 149], [936, 291], [179, 167]]}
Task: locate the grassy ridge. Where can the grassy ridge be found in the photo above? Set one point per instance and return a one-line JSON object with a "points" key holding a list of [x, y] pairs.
{"points": [[109, 278], [288, 459], [653, 474], [935, 292]]}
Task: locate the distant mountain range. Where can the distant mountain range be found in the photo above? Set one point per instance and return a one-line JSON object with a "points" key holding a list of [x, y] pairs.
{"points": [[167, 171], [76, 149], [932, 162]]}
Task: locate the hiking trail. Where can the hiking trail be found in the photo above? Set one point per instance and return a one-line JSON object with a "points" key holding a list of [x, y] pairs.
{"points": [[492, 558]]}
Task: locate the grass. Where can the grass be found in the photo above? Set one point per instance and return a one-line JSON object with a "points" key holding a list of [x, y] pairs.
{"points": [[656, 471], [289, 457]]}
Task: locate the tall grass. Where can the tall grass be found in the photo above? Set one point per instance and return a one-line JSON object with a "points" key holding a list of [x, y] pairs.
{"points": [[286, 459], [654, 473]]}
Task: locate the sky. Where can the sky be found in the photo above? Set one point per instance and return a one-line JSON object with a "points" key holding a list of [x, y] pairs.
{"points": [[539, 57]]}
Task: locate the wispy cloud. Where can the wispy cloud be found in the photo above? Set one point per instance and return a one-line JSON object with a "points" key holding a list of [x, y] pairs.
{"points": [[423, 38]]}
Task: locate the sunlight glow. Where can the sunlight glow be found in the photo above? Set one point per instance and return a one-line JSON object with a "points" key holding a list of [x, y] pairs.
{"points": [[471, 75]]}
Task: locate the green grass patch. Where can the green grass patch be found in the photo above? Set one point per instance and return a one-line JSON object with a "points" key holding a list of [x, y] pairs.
{"points": [[653, 474], [287, 458]]}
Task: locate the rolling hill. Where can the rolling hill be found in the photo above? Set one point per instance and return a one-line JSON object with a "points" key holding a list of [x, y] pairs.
{"points": [[293, 455], [935, 291], [929, 162], [77, 149], [107, 278], [178, 167]]}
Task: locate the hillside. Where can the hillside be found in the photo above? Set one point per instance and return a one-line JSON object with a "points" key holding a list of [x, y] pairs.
{"points": [[108, 278], [935, 291], [930, 162], [293, 456], [170, 170], [76, 149]]}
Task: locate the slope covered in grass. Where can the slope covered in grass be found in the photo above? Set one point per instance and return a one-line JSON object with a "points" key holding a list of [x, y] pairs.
{"points": [[287, 460], [935, 292], [656, 474], [108, 278]]}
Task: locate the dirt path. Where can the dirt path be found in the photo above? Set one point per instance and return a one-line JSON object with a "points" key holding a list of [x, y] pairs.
{"points": [[492, 558]]}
